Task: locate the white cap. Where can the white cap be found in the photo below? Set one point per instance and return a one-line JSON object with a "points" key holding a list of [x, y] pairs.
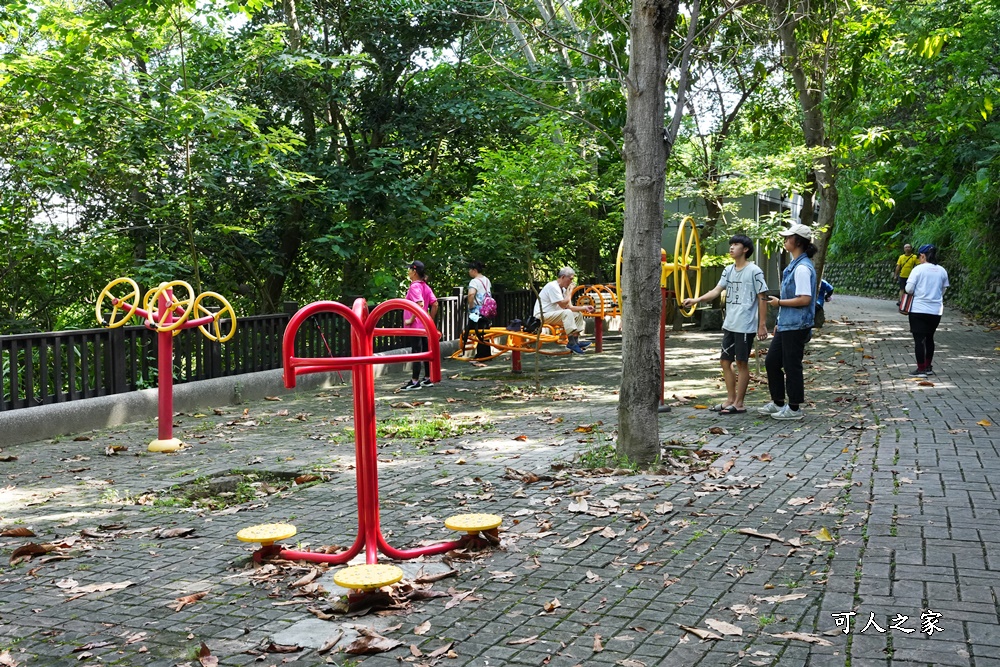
{"points": [[799, 230]]}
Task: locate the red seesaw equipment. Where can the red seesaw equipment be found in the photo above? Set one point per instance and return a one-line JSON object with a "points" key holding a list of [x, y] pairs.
{"points": [[167, 309], [361, 363]]}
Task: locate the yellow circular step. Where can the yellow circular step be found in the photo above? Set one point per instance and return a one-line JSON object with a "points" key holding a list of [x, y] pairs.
{"points": [[473, 523], [367, 577], [266, 533]]}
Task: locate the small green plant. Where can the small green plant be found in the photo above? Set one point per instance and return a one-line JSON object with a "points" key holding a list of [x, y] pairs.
{"points": [[895, 457], [765, 620], [789, 583]]}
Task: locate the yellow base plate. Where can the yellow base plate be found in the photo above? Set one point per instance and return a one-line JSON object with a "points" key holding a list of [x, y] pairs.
{"points": [[473, 523], [367, 577], [266, 533], [171, 445]]}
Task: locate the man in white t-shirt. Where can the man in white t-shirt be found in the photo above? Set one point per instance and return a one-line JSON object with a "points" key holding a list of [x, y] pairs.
{"points": [[555, 304], [744, 284]]}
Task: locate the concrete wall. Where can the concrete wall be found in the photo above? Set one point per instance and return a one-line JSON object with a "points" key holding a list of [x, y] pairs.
{"points": [[49, 421]]}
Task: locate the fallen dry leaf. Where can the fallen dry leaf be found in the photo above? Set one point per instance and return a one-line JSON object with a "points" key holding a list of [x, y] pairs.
{"points": [[205, 657], [723, 627], [753, 533], [28, 550], [168, 533], [782, 598], [664, 508], [6, 660], [765, 457], [823, 535], [984, 422], [699, 633], [438, 652], [19, 531], [718, 430], [371, 644], [80, 591], [598, 646], [422, 629], [521, 438], [925, 383], [550, 607], [629, 662], [527, 640], [701, 407], [305, 479], [272, 398], [795, 502], [187, 600], [802, 637]]}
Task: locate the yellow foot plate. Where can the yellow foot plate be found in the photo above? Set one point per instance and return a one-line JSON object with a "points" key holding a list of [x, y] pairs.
{"points": [[266, 533], [367, 577], [473, 523]]}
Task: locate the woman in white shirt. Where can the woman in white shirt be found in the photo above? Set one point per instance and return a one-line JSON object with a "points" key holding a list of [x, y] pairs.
{"points": [[927, 283]]}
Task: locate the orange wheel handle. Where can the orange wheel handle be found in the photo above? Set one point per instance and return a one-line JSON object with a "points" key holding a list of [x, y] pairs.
{"points": [[121, 309]]}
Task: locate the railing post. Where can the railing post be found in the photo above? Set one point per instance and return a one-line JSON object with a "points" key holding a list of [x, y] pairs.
{"points": [[457, 323], [117, 362]]}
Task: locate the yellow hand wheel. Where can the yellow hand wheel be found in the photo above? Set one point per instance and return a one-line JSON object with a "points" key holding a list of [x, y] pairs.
{"points": [[220, 312], [121, 309], [687, 259], [161, 320]]}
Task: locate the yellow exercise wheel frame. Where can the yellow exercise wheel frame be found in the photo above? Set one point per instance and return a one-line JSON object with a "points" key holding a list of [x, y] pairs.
{"points": [[687, 260]]}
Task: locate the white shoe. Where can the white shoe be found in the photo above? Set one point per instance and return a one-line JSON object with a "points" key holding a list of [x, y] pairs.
{"points": [[769, 409], [787, 414]]}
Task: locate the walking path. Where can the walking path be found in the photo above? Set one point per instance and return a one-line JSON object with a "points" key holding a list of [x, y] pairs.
{"points": [[880, 505]]}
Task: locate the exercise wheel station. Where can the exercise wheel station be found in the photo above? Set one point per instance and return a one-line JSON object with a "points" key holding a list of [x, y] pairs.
{"points": [[364, 329], [686, 265], [166, 309]]}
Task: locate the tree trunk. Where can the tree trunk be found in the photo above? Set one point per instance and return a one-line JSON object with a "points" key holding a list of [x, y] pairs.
{"points": [[646, 152]]}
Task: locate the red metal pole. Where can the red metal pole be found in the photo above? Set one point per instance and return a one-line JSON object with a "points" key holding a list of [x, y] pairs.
{"points": [[165, 440], [515, 361], [599, 334]]}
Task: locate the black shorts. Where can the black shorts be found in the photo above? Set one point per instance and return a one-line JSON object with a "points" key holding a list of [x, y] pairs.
{"points": [[902, 283], [736, 346]]}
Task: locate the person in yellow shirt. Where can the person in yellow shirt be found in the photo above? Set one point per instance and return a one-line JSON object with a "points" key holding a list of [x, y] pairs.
{"points": [[904, 265]]}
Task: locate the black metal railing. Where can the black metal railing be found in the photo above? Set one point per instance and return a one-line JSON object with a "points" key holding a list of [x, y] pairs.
{"points": [[55, 367]]}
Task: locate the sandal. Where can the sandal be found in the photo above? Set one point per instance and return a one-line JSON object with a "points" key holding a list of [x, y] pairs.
{"points": [[478, 364], [732, 410], [720, 407]]}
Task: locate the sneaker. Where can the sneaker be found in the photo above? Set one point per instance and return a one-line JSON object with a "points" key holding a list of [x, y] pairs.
{"points": [[929, 370], [769, 409], [918, 373], [787, 414], [426, 382], [411, 385], [574, 348], [584, 344]]}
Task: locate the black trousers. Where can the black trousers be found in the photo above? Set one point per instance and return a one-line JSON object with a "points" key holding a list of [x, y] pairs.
{"points": [[483, 350], [784, 366], [418, 344], [923, 326]]}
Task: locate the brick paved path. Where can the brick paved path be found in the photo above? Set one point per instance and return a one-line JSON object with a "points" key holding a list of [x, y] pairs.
{"points": [[880, 502]]}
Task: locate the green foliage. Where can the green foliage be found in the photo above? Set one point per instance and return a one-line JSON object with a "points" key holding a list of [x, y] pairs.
{"points": [[536, 205]]}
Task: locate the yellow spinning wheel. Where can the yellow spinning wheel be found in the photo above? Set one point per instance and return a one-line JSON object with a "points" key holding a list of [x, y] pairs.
{"points": [[160, 320], [222, 311], [687, 260], [121, 309]]}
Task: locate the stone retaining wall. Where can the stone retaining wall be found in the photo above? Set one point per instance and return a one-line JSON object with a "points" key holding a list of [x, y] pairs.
{"points": [[875, 279]]}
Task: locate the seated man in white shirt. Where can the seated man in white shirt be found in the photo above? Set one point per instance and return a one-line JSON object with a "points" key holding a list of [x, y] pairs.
{"points": [[555, 304]]}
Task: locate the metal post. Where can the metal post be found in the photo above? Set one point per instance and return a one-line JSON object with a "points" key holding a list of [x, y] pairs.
{"points": [[599, 334], [515, 362], [165, 441]]}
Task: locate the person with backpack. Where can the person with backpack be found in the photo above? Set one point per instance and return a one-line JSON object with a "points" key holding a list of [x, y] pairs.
{"points": [[421, 294], [482, 309], [796, 305]]}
